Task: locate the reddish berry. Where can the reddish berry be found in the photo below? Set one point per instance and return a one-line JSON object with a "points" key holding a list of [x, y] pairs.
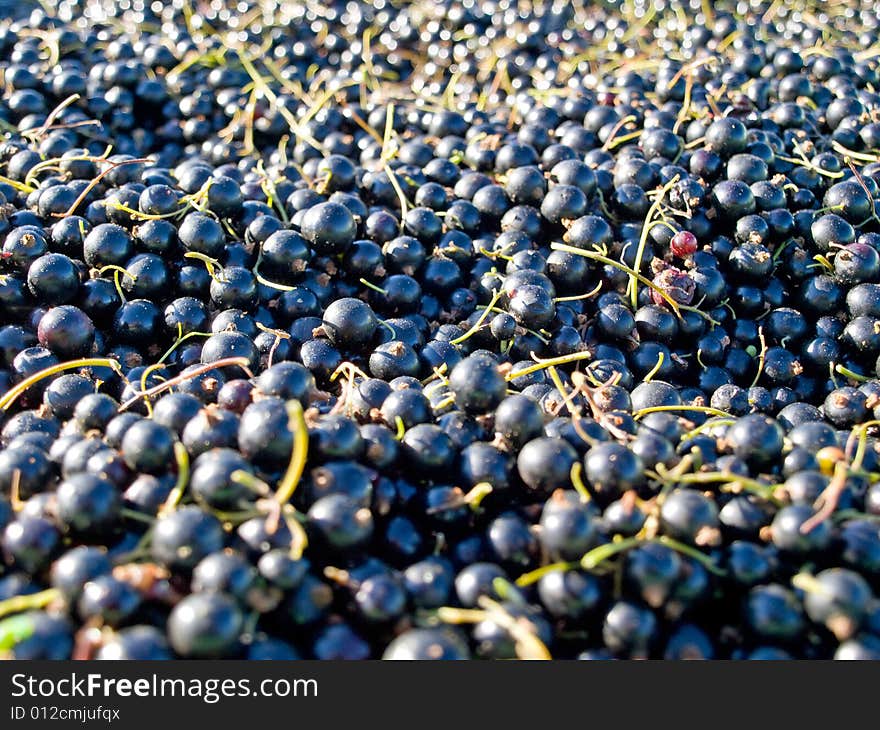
{"points": [[676, 284], [683, 244]]}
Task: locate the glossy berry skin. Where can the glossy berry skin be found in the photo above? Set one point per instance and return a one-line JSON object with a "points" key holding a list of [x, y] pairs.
{"points": [[175, 409], [136, 322], [511, 540], [30, 542], [350, 323], [230, 344], [50, 637], [568, 526], [263, 435], [691, 643], [205, 626], [629, 629], [757, 439], [839, 599], [689, 515], [518, 419], [67, 331], [477, 384], [64, 394], [611, 469], [423, 644], [96, 411], [107, 244], [186, 536], [267, 649], [475, 580], [380, 598], [773, 612], [108, 599], [429, 582], [340, 521], [88, 505], [144, 643], [545, 463], [569, 594], [29, 467], [76, 568], [329, 228], [279, 568], [748, 564], [788, 533], [148, 446], [651, 571], [340, 642], [53, 279], [286, 380], [861, 648], [225, 572], [211, 428]]}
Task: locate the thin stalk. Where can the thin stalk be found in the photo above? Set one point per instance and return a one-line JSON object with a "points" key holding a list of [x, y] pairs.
{"points": [[541, 364], [14, 393], [297, 424], [556, 246], [182, 458], [643, 239], [28, 602]]}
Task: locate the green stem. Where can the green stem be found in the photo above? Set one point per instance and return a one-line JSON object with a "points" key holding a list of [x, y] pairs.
{"points": [[299, 539], [477, 494], [211, 264], [656, 369], [698, 409], [374, 287], [643, 239], [846, 372], [553, 361], [578, 483], [762, 356], [496, 295], [223, 362], [852, 514], [534, 576], [680, 547], [137, 516], [28, 602], [249, 481], [716, 423], [272, 284], [179, 341], [598, 555], [752, 485], [808, 584], [556, 246], [182, 458], [577, 297], [87, 362], [14, 630]]}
